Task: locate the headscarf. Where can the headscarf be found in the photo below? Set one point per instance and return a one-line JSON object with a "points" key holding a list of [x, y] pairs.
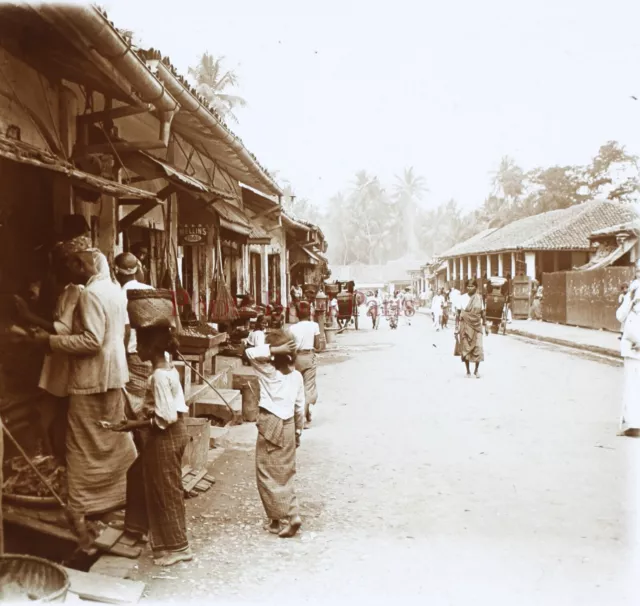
{"points": [[70, 247], [103, 271]]}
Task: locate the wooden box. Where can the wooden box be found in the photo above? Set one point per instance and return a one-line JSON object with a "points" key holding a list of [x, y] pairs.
{"points": [[197, 452]]}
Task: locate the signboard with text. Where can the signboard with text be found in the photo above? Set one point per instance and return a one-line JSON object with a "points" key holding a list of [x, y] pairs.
{"points": [[189, 235]]}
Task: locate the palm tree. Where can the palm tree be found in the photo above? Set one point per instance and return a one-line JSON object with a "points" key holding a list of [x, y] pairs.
{"points": [[212, 81], [409, 190]]}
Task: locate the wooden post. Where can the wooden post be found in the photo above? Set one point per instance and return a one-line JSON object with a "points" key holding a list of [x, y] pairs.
{"points": [[500, 265], [530, 260], [513, 265], [488, 266], [264, 287], [449, 269], [1, 483], [479, 267]]}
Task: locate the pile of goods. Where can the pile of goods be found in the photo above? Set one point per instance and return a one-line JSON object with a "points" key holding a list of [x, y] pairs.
{"points": [[197, 329], [22, 480]]}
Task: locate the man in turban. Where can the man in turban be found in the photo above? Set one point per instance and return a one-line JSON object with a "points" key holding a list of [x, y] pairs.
{"points": [[97, 461]]}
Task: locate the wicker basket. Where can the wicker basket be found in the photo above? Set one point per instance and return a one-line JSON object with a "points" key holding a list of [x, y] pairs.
{"points": [[150, 308], [26, 578]]}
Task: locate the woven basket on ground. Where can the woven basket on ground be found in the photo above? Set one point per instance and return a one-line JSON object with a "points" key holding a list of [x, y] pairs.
{"points": [[26, 578], [149, 308]]}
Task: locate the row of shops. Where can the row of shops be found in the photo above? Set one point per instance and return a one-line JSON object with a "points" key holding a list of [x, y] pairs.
{"points": [[581, 255], [99, 137]]}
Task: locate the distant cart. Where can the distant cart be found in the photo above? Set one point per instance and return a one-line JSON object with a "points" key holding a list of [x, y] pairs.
{"points": [[348, 309], [496, 307]]}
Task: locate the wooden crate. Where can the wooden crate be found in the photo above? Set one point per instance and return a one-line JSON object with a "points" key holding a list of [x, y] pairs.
{"points": [[196, 454]]}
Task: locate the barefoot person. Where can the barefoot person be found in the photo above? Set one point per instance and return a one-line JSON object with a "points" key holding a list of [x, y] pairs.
{"points": [[469, 326], [280, 422], [155, 497], [307, 337], [96, 463]]}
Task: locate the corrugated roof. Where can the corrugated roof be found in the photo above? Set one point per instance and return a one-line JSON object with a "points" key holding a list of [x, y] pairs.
{"points": [[564, 229]]}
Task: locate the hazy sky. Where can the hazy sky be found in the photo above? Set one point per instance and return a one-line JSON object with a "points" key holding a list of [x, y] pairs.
{"points": [[446, 87]]}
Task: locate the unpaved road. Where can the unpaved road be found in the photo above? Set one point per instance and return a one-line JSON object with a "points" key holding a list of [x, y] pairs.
{"points": [[419, 485]]}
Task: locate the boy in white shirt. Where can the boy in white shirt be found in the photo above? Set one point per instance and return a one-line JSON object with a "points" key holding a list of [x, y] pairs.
{"points": [[280, 421], [256, 337], [306, 334]]}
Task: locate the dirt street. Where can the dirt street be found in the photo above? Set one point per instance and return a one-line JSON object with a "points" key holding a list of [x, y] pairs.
{"points": [[417, 484]]}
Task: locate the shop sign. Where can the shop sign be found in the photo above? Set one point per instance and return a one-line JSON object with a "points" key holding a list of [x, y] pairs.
{"points": [[192, 234]]}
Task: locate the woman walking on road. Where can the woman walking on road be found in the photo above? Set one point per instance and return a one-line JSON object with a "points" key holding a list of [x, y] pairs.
{"points": [[628, 314], [470, 323]]}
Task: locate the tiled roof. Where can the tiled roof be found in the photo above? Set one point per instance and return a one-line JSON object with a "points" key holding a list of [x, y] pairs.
{"points": [[630, 226], [565, 229]]}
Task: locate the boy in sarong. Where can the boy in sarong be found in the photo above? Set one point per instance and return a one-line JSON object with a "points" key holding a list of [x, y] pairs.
{"points": [[280, 423]]}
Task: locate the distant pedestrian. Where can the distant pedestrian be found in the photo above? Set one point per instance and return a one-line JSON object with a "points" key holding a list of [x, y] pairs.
{"points": [[306, 334], [280, 423], [470, 324], [437, 304], [537, 294], [628, 314]]}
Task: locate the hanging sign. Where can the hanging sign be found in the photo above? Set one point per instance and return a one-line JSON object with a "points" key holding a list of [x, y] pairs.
{"points": [[192, 234]]}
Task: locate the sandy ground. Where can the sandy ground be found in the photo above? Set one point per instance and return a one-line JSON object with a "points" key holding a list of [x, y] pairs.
{"points": [[417, 484]]}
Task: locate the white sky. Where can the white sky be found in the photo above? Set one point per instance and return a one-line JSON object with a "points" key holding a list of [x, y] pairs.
{"points": [[446, 87]]}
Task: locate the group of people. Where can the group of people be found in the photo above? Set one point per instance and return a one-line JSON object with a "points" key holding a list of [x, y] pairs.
{"points": [[285, 363], [111, 381]]}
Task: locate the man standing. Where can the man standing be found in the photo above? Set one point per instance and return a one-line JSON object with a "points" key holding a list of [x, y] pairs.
{"points": [[306, 334], [126, 269], [97, 461]]}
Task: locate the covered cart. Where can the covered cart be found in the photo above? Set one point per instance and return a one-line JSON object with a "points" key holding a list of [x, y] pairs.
{"points": [[496, 306]]}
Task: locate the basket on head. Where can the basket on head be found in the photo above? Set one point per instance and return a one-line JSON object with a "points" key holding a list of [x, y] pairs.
{"points": [[149, 308]]}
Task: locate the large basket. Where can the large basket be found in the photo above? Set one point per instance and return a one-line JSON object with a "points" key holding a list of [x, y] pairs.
{"points": [[26, 578], [149, 308]]}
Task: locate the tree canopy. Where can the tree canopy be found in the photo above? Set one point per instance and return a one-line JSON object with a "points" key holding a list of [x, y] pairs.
{"points": [[369, 223]]}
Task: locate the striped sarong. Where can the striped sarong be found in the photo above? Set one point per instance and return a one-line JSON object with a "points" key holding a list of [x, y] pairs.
{"points": [[136, 388], [306, 365], [276, 465], [155, 497], [97, 459]]}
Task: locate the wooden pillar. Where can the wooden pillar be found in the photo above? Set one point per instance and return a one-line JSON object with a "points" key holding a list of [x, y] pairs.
{"points": [[469, 269], [479, 267], [284, 282], [195, 257], [448, 269], [264, 288], [500, 265], [461, 268], [513, 265], [1, 483], [454, 274], [488, 266], [530, 261]]}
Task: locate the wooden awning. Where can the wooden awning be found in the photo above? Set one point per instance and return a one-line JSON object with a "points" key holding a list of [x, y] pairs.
{"points": [[24, 153]]}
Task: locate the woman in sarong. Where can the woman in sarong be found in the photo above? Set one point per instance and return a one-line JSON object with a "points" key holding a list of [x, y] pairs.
{"points": [[155, 496], [280, 424], [470, 324], [629, 315]]}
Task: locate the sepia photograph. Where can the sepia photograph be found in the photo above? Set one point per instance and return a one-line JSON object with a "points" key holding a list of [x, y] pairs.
{"points": [[320, 303]]}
